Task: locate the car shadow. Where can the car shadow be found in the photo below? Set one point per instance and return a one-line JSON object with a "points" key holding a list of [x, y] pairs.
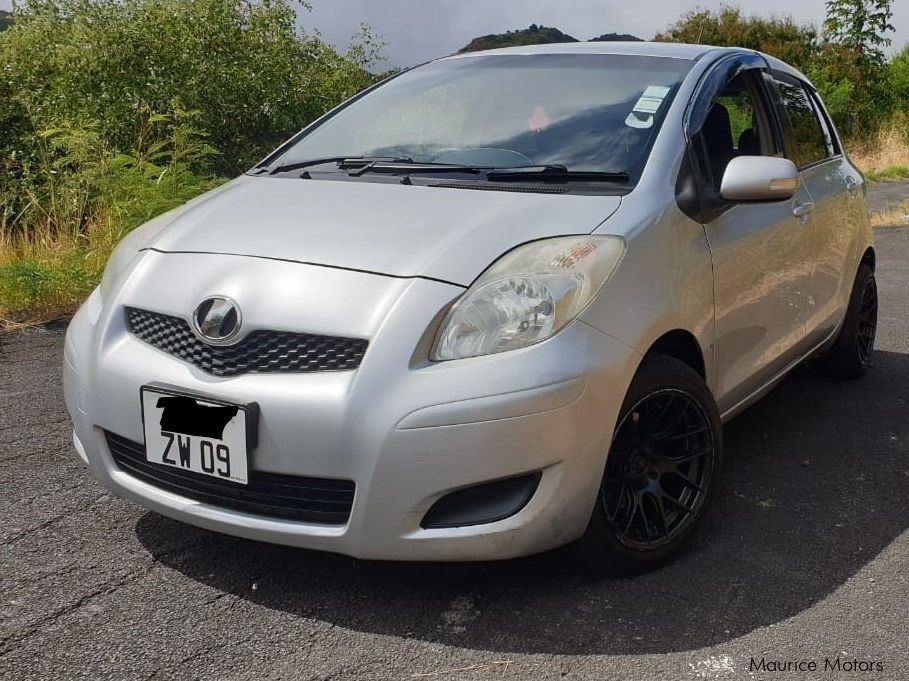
{"points": [[816, 480]]}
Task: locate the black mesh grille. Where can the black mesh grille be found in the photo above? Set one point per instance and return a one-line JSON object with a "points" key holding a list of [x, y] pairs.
{"points": [[260, 352], [289, 497]]}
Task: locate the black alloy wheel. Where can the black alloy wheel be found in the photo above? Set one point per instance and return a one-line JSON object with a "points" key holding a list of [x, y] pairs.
{"points": [[867, 320], [661, 472], [659, 469], [851, 354]]}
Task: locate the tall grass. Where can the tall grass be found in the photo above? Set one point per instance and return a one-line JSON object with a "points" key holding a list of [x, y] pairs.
{"points": [[66, 207], [884, 155]]}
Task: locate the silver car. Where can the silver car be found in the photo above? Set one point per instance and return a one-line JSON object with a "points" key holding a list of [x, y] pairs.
{"points": [[499, 303]]}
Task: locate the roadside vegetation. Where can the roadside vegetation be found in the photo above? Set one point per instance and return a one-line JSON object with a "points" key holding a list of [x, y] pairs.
{"points": [[112, 111]]}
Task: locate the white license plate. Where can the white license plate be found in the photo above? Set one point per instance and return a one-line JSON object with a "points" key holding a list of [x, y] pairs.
{"points": [[196, 434]]}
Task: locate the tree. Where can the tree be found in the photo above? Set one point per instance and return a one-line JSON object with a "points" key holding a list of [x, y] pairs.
{"points": [[853, 60], [244, 66], [730, 26], [861, 26], [6, 20], [899, 79]]}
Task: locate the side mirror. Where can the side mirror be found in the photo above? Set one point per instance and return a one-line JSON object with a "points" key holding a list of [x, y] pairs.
{"points": [[759, 178]]}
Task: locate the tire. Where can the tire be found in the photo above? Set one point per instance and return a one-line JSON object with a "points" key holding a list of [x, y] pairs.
{"points": [[851, 353], [668, 414]]}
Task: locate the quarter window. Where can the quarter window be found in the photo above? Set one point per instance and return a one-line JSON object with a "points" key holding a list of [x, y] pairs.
{"points": [[807, 141]]}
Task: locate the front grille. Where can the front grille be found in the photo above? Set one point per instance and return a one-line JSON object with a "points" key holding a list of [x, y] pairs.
{"points": [[288, 497], [260, 352]]}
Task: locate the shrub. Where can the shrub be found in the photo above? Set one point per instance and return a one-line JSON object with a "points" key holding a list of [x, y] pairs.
{"points": [[112, 111], [244, 66]]}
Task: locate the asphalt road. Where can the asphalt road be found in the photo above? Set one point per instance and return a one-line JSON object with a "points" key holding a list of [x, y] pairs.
{"points": [[804, 557]]}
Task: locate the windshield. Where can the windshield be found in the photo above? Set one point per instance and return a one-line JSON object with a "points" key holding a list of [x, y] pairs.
{"points": [[588, 113]]}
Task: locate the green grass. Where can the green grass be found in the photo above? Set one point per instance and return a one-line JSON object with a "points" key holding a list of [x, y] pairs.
{"points": [[33, 290], [893, 173]]}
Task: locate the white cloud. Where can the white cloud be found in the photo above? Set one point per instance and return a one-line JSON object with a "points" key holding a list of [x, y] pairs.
{"points": [[417, 30]]}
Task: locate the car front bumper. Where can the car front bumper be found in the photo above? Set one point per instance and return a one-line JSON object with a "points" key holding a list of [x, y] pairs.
{"points": [[405, 430]]}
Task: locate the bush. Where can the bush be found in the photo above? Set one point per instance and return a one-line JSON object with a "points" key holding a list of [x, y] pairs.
{"points": [[779, 36], [245, 68], [899, 79], [112, 111], [76, 198]]}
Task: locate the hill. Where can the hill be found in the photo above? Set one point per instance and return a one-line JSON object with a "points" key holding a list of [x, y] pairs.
{"points": [[616, 37], [536, 35], [533, 35], [6, 20]]}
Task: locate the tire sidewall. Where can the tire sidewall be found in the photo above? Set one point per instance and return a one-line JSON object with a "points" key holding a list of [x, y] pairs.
{"points": [[656, 374]]}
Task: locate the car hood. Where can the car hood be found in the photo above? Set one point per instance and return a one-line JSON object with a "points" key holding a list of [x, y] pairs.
{"points": [[405, 231]]}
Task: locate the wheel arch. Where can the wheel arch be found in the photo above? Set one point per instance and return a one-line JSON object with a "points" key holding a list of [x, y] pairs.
{"points": [[682, 345], [869, 257]]}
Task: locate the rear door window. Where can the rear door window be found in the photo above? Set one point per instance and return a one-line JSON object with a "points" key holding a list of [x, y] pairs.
{"points": [[806, 141]]}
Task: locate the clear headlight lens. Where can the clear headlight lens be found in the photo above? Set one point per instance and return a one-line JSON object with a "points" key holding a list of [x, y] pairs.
{"points": [[528, 295]]}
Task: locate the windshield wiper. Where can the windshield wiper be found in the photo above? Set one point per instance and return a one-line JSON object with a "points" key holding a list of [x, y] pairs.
{"points": [[554, 172], [409, 166], [343, 162]]}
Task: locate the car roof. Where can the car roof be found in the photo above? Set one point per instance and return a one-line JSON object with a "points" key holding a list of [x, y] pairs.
{"points": [[640, 48], [648, 49]]}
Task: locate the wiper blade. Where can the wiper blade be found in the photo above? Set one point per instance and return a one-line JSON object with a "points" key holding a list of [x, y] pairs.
{"points": [[342, 162], [409, 166], [555, 172]]}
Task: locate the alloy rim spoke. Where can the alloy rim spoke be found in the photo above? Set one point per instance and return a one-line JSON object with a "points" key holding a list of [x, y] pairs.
{"points": [[661, 514], [688, 481], [677, 461], [675, 503], [674, 417], [682, 436]]}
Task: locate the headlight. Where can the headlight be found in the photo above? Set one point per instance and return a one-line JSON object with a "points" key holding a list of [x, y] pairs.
{"points": [[528, 295]]}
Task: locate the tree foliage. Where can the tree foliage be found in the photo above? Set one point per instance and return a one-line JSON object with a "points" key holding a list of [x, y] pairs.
{"points": [[899, 79], [845, 63], [112, 111], [861, 26], [730, 26], [243, 65]]}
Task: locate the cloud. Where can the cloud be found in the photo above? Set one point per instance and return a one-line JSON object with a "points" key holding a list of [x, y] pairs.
{"points": [[417, 30]]}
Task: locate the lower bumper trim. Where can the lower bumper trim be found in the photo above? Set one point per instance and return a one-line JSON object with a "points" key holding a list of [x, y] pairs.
{"points": [[271, 495]]}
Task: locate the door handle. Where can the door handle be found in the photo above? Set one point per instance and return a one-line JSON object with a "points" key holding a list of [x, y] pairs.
{"points": [[802, 211]]}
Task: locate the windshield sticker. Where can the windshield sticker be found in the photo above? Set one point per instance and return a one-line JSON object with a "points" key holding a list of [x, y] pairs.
{"points": [[648, 104], [539, 120]]}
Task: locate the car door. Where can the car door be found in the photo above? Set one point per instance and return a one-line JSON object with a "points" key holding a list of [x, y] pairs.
{"points": [[823, 170], [762, 252]]}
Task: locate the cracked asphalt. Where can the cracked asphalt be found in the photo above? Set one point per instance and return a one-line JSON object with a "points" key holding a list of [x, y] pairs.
{"points": [[803, 557]]}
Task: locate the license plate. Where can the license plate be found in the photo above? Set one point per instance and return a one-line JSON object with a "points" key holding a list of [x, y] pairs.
{"points": [[199, 434]]}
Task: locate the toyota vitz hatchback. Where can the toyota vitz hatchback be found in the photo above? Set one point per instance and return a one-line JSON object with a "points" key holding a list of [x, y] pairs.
{"points": [[499, 303]]}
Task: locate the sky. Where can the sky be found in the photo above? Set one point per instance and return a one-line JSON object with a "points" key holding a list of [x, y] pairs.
{"points": [[418, 30]]}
